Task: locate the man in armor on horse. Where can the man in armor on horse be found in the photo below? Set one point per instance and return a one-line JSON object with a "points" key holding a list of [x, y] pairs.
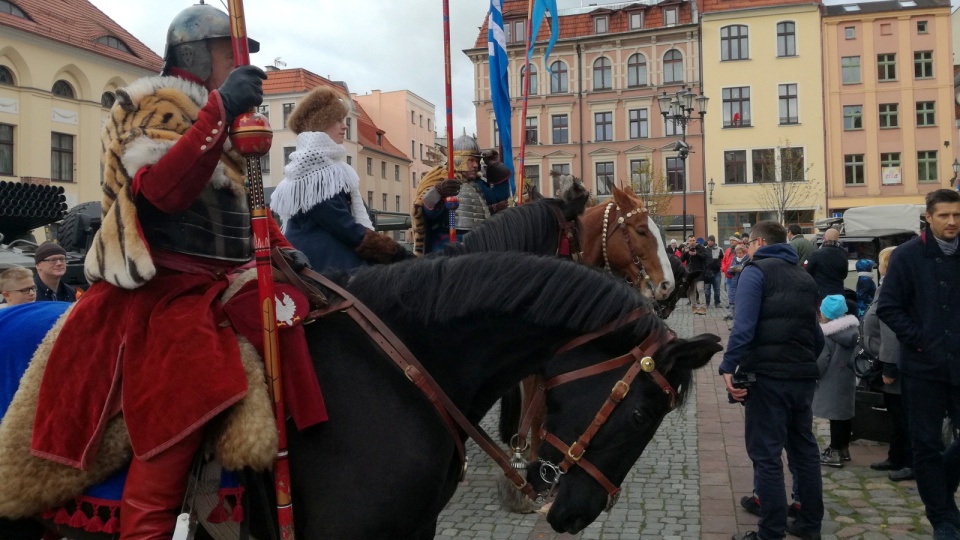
{"points": [[481, 194], [156, 343]]}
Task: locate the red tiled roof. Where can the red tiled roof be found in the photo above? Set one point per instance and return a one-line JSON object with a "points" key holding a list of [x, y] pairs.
{"points": [[292, 81], [581, 25], [79, 23], [368, 132]]}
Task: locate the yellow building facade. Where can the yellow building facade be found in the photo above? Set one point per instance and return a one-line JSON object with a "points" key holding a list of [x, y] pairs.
{"points": [[56, 88], [889, 93], [764, 146]]}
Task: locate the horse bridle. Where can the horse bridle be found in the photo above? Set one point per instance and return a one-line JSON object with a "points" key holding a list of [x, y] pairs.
{"points": [[569, 231], [622, 225], [639, 358]]}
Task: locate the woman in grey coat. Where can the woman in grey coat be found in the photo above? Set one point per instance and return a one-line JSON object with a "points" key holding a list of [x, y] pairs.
{"points": [[881, 342], [836, 391]]}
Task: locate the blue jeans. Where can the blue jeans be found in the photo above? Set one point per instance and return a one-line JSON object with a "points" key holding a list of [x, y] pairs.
{"points": [[779, 415], [938, 471], [714, 283]]}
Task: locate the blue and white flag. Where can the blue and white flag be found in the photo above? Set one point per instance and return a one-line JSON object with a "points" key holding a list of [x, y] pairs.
{"points": [[540, 9], [500, 84]]}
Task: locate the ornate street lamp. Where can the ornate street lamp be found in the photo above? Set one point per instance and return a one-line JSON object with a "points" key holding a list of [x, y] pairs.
{"points": [[711, 185], [678, 108]]}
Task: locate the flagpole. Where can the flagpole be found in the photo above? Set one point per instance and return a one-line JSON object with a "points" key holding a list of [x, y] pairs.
{"points": [[525, 81], [447, 82]]}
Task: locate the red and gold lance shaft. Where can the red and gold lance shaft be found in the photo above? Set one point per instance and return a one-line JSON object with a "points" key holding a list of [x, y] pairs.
{"points": [[447, 82], [247, 128]]}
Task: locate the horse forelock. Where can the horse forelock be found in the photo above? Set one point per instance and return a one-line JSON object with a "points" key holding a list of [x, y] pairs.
{"points": [[545, 291]]}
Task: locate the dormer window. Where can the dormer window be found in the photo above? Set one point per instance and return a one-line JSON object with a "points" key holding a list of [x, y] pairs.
{"points": [[515, 31], [636, 21], [114, 43], [670, 16], [600, 25], [379, 139], [7, 7]]}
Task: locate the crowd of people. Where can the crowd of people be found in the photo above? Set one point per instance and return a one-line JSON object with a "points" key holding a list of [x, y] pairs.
{"points": [[791, 353]]}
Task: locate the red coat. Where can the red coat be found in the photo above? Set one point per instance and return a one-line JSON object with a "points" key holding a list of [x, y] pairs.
{"points": [[158, 353]]}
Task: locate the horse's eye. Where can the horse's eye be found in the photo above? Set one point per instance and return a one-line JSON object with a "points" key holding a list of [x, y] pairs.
{"points": [[640, 231], [640, 418]]}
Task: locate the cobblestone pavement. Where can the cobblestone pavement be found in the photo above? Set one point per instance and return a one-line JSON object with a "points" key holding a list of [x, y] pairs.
{"points": [[689, 481]]}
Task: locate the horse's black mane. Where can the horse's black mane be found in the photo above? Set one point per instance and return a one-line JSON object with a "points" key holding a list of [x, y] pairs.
{"points": [[544, 290], [537, 220]]}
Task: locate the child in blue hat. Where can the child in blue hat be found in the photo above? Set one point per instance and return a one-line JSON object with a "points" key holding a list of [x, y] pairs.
{"points": [[834, 399]]}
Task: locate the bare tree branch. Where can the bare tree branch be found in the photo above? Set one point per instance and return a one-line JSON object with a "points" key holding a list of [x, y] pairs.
{"points": [[785, 184]]}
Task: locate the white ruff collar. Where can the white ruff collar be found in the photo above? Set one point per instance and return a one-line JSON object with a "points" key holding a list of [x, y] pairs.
{"points": [[317, 171]]}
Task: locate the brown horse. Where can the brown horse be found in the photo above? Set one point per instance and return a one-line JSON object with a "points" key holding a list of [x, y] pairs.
{"points": [[620, 234]]}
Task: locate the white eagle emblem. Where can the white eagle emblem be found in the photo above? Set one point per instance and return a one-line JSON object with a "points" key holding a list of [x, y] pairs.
{"points": [[286, 309]]}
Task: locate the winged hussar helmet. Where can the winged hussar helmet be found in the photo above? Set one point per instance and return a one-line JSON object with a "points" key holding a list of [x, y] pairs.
{"points": [[187, 35]]}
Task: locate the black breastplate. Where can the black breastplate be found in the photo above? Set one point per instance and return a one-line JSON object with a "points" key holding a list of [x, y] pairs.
{"points": [[216, 226]]}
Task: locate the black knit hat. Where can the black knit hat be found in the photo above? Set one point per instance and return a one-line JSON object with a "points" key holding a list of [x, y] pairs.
{"points": [[47, 249]]}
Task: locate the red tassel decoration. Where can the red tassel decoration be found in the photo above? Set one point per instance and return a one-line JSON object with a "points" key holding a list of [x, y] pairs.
{"points": [[95, 524], [112, 526], [219, 512], [49, 514], [62, 517], [78, 520], [237, 515]]}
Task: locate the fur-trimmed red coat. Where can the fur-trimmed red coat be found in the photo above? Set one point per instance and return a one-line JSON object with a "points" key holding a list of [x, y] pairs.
{"points": [[147, 338]]}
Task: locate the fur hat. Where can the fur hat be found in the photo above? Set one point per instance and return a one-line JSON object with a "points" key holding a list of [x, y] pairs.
{"points": [[735, 239], [322, 108], [833, 306], [47, 249]]}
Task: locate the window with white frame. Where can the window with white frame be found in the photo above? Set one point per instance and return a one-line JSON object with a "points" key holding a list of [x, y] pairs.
{"points": [[672, 67], [602, 74], [560, 129], [61, 157], [639, 123], [531, 130], [603, 122], [558, 78], [789, 104], [604, 172], [736, 106], [533, 79], [889, 115], [734, 42], [637, 70], [735, 167], [786, 39], [927, 166]]}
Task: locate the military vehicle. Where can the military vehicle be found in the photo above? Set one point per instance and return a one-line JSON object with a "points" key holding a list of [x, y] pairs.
{"points": [[26, 208]]}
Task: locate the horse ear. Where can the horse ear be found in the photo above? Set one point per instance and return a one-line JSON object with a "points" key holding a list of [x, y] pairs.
{"points": [[574, 208], [622, 199], [693, 353]]}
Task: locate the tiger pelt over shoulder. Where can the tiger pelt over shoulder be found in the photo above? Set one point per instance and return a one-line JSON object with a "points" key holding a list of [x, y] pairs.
{"points": [[147, 119]]}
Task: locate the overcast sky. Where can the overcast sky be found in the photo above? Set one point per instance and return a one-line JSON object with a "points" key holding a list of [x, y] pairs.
{"points": [[370, 44]]}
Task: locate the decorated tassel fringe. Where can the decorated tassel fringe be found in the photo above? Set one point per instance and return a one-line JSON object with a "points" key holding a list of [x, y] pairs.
{"points": [[237, 516], [112, 526], [62, 517], [219, 513], [95, 524], [78, 520]]}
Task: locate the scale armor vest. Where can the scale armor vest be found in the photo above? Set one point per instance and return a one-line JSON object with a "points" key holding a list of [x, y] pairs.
{"points": [[215, 226], [473, 207]]}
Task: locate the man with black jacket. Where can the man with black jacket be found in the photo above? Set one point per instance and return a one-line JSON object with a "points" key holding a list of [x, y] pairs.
{"points": [[828, 265], [695, 256], [920, 302], [776, 338], [711, 274]]}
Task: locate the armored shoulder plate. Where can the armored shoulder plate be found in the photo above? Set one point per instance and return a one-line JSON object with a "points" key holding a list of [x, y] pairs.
{"points": [[473, 208]]}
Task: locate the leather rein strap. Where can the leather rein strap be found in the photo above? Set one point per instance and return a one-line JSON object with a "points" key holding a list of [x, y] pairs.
{"points": [[391, 345], [569, 230]]}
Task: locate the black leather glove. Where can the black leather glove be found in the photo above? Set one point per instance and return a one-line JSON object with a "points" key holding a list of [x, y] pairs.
{"points": [[448, 188], [242, 90], [297, 259]]}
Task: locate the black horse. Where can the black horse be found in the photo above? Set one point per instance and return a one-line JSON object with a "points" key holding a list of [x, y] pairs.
{"points": [[385, 465]]}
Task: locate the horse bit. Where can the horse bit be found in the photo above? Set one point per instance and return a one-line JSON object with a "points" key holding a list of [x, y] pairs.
{"points": [[622, 225], [639, 358]]}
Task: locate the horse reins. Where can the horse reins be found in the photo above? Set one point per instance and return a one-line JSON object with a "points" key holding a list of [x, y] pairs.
{"points": [[622, 225], [640, 358]]}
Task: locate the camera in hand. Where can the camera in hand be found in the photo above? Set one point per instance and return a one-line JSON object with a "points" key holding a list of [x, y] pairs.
{"points": [[741, 380]]}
